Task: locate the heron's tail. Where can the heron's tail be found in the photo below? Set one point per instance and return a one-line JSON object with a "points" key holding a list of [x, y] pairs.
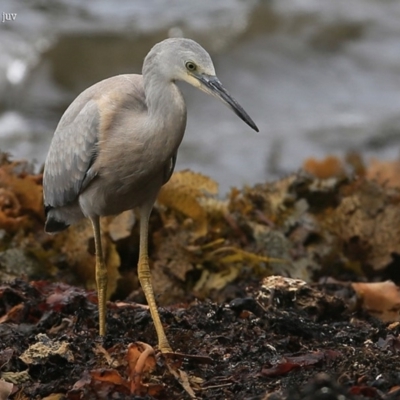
{"points": [[52, 224]]}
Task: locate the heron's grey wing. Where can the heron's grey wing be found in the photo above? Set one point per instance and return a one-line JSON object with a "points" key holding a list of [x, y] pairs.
{"points": [[72, 152], [169, 169]]}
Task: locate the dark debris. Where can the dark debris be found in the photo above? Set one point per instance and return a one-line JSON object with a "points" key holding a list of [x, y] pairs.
{"points": [[258, 351]]}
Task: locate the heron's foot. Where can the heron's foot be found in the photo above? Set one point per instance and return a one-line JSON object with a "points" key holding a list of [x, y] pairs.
{"points": [[165, 348], [145, 281]]}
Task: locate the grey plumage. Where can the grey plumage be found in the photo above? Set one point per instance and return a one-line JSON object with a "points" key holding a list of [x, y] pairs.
{"points": [[116, 145], [106, 111]]}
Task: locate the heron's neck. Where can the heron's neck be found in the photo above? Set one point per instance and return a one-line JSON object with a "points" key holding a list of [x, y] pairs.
{"points": [[166, 112], [163, 97]]}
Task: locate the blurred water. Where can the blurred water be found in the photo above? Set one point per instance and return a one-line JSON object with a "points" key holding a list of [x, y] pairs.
{"points": [[317, 76]]}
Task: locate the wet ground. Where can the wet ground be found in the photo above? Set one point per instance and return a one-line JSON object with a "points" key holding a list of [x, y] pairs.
{"points": [[287, 343]]}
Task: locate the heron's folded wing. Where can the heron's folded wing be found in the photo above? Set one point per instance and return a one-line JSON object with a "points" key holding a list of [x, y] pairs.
{"points": [[72, 152]]}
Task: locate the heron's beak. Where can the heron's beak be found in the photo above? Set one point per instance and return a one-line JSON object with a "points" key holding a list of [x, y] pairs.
{"points": [[213, 86]]}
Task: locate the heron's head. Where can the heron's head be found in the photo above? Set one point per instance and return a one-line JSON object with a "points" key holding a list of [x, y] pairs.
{"points": [[187, 61]]}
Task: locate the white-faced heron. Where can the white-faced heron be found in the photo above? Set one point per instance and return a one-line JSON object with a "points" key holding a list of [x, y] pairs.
{"points": [[116, 145]]}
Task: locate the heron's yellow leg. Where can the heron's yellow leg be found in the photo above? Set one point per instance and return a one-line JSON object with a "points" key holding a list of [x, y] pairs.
{"points": [[145, 280], [101, 275]]}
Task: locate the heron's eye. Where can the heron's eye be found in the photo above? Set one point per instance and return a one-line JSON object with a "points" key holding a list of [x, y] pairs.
{"points": [[190, 66]]}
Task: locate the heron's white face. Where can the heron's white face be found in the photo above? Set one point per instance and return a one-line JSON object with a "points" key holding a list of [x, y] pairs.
{"points": [[186, 60], [193, 81], [190, 65], [192, 71]]}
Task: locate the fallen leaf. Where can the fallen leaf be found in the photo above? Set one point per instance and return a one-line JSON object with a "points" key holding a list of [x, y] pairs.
{"points": [[109, 376], [16, 177], [381, 299], [5, 356], [288, 363], [44, 348], [329, 167], [141, 362], [55, 396], [187, 192], [385, 173], [5, 389], [120, 226]]}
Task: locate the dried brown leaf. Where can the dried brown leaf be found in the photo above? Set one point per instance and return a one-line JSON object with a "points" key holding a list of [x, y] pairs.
{"points": [[109, 376], [27, 188], [10, 211], [120, 226], [5, 356], [15, 314], [44, 348], [185, 193], [329, 167], [5, 389], [55, 396], [367, 221], [141, 362], [381, 299], [385, 173], [183, 378]]}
